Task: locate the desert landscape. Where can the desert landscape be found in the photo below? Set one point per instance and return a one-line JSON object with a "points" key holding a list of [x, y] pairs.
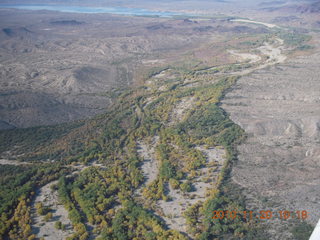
{"points": [[140, 120]]}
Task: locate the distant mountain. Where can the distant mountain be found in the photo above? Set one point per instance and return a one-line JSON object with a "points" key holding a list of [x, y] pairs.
{"points": [[309, 8], [272, 3], [312, 7], [67, 22], [17, 32]]}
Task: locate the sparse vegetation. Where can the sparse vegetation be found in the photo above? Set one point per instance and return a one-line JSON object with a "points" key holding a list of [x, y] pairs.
{"points": [[58, 225], [302, 230], [105, 196]]}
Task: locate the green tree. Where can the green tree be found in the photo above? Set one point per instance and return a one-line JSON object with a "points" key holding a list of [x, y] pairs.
{"points": [[58, 225], [48, 216], [186, 187]]}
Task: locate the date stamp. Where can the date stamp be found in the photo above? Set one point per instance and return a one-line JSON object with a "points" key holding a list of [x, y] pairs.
{"points": [[262, 215]]}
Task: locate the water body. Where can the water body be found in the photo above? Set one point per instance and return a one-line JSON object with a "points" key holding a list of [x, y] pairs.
{"points": [[112, 10]]}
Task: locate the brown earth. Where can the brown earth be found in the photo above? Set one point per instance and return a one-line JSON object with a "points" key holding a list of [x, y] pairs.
{"points": [[278, 166], [58, 67]]}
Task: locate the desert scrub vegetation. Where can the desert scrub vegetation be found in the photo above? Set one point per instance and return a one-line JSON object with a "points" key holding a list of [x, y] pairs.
{"points": [[93, 195], [30, 139], [104, 197], [293, 39], [17, 186]]}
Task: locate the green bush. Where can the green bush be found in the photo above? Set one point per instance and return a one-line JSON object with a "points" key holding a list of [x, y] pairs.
{"points": [[186, 187], [167, 170], [48, 216], [174, 183], [58, 225]]}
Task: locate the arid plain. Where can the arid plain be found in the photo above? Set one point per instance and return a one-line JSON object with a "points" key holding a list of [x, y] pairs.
{"points": [[60, 67]]}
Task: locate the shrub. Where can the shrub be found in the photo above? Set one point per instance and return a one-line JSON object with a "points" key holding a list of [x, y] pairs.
{"points": [[186, 187], [174, 183], [58, 225], [48, 216]]}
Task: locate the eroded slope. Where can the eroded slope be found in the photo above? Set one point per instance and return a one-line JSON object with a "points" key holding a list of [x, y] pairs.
{"points": [[278, 165]]}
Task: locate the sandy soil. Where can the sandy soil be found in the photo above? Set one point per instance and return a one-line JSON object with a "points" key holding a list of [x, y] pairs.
{"points": [[12, 162], [157, 79], [181, 109], [49, 198], [269, 25], [149, 166], [162, 74], [47, 229], [173, 210], [153, 61], [273, 53], [252, 58]]}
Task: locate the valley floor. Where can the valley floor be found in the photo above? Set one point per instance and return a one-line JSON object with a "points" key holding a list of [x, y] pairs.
{"points": [[167, 148]]}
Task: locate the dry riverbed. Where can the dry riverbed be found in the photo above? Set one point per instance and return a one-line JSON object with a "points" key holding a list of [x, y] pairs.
{"points": [[49, 198], [173, 210]]}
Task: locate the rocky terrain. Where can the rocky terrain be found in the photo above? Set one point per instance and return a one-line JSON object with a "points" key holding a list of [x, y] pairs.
{"points": [[278, 165], [167, 148], [57, 67], [49, 198], [75, 64]]}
